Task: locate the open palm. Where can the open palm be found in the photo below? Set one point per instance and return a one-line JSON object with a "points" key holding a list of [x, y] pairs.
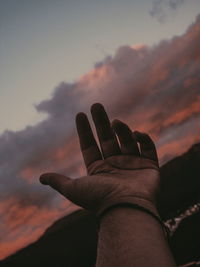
{"points": [[123, 170]]}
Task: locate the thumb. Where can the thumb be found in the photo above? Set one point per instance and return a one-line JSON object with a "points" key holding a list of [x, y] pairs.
{"points": [[57, 181]]}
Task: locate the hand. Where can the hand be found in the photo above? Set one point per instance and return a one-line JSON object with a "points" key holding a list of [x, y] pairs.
{"points": [[119, 172]]}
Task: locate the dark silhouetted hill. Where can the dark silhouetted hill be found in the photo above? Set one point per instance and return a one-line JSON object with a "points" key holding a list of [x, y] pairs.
{"points": [[69, 242], [185, 243], [72, 241], [180, 183]]}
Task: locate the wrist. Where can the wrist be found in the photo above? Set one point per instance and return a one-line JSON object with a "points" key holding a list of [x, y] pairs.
{"points": [[134, 200], [130, 207]]}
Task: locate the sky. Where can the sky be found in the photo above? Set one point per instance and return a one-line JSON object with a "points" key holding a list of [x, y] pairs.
{"points": [[141, 59], [44, 42]]}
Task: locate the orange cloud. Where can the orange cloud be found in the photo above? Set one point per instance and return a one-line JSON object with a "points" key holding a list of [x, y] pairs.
{"points": [[184, 114], [8, 247], [26, 224]]}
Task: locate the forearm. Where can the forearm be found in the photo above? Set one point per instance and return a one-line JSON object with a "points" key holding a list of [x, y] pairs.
{"points": [[130, 237]]}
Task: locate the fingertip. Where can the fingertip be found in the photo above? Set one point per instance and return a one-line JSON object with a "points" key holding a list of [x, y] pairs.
{"points": [[96, 107], [45, 178], [115, 122], [80, 116], [82, 123], [137, 133], [140, 136], [120, 126]]}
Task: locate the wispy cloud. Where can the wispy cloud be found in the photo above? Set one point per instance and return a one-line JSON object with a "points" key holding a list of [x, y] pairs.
{"points": [[162, 8]]}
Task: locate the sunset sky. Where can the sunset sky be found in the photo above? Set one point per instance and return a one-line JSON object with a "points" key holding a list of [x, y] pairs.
{"points": [[44, 42], [141, 59]]}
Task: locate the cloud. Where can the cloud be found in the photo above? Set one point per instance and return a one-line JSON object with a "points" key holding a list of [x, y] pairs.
{"points": [[154, 89], [25, 222], [162, 8]]}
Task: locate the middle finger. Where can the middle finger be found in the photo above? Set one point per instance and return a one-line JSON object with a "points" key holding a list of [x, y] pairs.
{"points": [[107, 138]]}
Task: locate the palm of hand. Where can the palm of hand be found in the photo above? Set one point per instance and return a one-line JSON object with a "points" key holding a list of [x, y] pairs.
{"points": [[117, 177], [116, 172]]}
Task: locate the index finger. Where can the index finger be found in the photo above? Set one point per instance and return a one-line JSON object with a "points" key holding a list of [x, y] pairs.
{"points": [[89, 147]]}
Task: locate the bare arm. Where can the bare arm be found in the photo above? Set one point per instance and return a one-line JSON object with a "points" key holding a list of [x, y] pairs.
{"points": [[130, 237], [118, 172]]}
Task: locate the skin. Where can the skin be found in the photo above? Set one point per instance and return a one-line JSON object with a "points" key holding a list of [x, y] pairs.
{"points": [[120, 171]]}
